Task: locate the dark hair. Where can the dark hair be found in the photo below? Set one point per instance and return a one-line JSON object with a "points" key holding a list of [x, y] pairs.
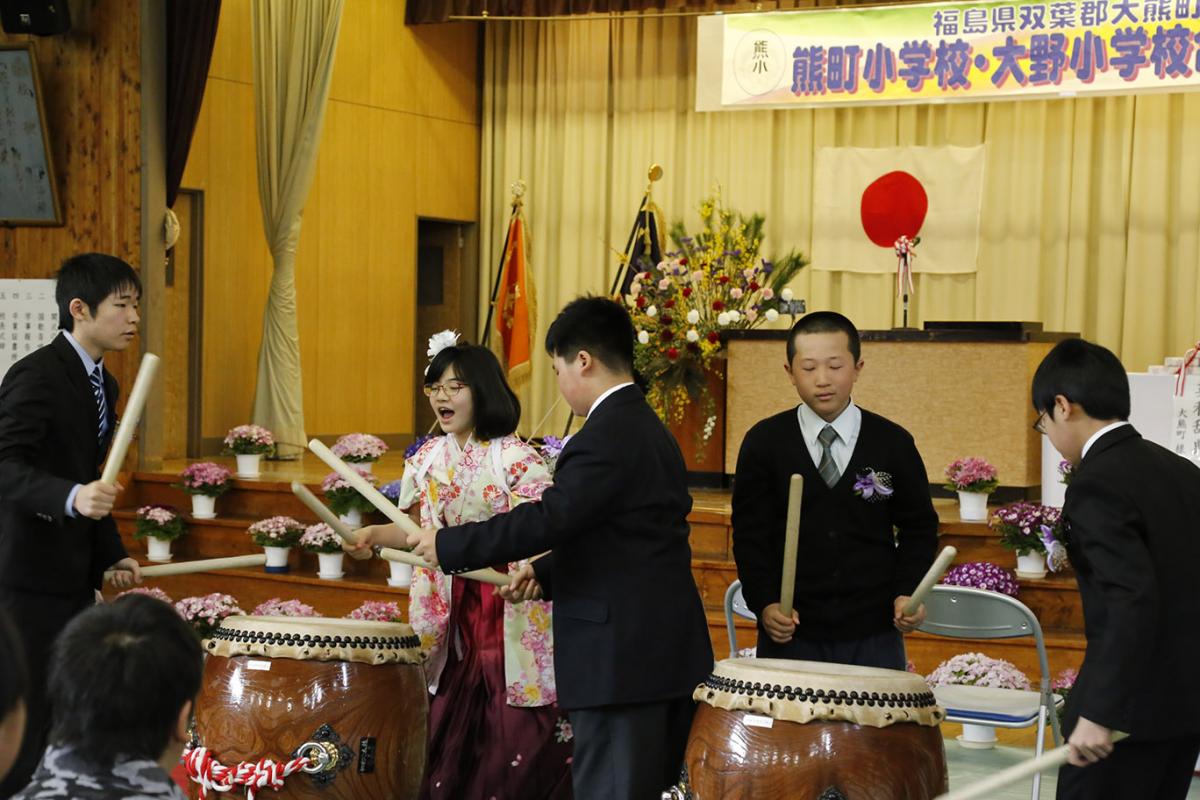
{"points": [[120, 673], [14, 680], [598, 325], [824, 322], [495, 406], [1084, 373], [91, 277]]}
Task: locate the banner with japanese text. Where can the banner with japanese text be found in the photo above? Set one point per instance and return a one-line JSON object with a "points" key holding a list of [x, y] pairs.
{"points": [[940, 52]]}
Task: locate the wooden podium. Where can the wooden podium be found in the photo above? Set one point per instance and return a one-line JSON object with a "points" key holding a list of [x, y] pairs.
{"points": [[961, 389]]}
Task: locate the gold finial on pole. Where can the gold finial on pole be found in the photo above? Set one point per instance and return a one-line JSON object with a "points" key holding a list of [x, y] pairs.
{"points": [[518, 192]]}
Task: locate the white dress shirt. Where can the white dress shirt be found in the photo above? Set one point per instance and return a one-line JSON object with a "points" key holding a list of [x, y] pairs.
{"points": [[848, 424]]}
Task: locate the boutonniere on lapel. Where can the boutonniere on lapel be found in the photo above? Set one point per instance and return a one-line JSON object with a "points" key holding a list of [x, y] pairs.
{"points": [[873, 485], [1056, 549]]}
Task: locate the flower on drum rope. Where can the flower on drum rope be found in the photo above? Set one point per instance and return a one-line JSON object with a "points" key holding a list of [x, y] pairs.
{"points": [[205, 478], [378, 611], [283, 608], [359, 448], [278, 531], [976, 669], [873, 485], [320, 538], [248, 440], [205, 612], [982, 575]]}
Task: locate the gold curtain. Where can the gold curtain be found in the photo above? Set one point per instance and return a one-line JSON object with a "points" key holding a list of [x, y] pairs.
{"points": [[294, 45], [1090, 216]]}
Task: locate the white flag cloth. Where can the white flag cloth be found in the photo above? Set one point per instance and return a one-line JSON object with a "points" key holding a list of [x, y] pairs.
{"points": [[948, 179]]}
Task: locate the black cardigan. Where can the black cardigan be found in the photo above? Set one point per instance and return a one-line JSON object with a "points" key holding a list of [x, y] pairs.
{"points": [[854, 557]]}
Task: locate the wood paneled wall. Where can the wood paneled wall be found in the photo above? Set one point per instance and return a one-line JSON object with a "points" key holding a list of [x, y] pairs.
{"points": [[401, 141], [89, 81]]}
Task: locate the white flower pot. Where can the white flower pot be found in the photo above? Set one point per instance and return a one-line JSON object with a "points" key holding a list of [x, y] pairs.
{"points": [[330, 568], [247, 465], [365, 466], [158, 549], [277, 558], [352, 518], [972, 506], [203, 506], [401, 574], [1031, 565], [978, 737]]}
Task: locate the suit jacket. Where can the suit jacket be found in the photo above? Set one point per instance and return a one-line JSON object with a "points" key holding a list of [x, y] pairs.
{"points": [[629, 626], [1132, 515], [48, 443], [854, 555]]}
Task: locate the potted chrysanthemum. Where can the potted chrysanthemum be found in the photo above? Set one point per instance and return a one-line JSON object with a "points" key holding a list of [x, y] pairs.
{"points": [[276, 536], [205, 481], [982, 575], [344, 500], [1031, 530], [249, 443], [321, 539], [159, 526], [974, 479], [976, 669], [360, 449]]}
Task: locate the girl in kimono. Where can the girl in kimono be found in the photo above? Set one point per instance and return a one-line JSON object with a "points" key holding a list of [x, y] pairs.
{"points": [[495, 730]]}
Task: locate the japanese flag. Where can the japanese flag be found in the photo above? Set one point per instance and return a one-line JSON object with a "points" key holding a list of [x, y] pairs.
{"points": [[865, 199]]}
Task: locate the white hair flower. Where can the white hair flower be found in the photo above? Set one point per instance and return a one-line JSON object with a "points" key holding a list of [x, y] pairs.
{"points": [[439, 342]]}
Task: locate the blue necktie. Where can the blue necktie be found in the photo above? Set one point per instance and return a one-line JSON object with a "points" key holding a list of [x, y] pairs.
{"points": [[97, 378]]}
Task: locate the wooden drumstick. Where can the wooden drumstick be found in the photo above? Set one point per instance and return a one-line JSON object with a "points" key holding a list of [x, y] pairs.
{"points": [[938, 568], [130, 419], [329, 518], [389, 510], [202, 565], [1052, 759], [791, 539]]}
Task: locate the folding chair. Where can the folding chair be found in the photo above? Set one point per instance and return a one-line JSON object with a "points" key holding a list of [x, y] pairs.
{"points": [[961, 612], [735, 604]]}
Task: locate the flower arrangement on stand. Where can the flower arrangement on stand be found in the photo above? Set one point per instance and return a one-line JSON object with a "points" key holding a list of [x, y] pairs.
{"points": [[205, 482], [982, 575], [362, 449], [283, 608], [276, 536], [1030, 529], [149, 591], [974, 479], [344, 500], [159, 526], [716, 280], [378, 611], [249, 443], [321, 539], [976, 669], [205, 612]]}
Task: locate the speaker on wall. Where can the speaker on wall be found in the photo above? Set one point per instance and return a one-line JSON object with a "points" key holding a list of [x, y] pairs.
{"points": [[38, 17]]}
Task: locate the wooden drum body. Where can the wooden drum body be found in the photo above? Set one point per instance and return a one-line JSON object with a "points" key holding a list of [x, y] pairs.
{"points": [[356, 689], [771, 728]]}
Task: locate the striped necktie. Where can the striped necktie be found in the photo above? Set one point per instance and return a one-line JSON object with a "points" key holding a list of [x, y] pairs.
{"points": [[828, 467], [97, 378]]}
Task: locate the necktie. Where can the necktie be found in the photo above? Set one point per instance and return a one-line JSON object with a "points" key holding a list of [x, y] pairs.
{"points": [[828, 467], [97, 379]]}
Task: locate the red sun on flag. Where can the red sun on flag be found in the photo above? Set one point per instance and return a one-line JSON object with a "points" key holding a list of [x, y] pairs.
{"points": [[894, 205]]}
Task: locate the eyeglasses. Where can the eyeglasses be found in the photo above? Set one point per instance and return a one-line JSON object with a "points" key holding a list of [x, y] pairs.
{"points": [[451, 389], [1039, 424]]}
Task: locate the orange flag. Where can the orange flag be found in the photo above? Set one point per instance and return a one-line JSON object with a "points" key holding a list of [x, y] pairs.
{"points": [[516, 307]]}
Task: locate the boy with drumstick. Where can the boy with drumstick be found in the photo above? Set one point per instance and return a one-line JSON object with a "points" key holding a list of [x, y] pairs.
{"points": [[631, 638], [868, 530], [57, 418]]}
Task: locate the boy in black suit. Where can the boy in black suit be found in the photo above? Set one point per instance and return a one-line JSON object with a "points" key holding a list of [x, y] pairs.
{"points": [[868, 530], [631, 640], [57, 415], [1130, 516]]}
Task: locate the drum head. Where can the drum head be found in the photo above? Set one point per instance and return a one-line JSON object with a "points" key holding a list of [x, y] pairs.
{"points": [[316, 639]]}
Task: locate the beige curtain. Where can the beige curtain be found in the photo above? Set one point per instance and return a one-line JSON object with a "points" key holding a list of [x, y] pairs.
{"points": [[294, 46], [1090, 216]]}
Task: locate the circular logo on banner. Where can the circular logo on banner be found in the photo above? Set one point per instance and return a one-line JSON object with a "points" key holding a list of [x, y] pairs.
{"points": [[759, 62]]}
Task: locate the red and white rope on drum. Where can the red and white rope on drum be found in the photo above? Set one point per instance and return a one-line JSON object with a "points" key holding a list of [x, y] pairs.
{"points": [[214, 776]]}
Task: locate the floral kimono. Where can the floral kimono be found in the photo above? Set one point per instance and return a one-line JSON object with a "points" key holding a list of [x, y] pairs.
{"points": [[495, 730]]}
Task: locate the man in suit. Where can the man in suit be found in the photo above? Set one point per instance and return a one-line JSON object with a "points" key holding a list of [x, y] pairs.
{"points": [[631, 640], [868, 531], [1130, 521], [57, 415]]}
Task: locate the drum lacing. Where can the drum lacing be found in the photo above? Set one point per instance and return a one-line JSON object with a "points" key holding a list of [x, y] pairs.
{"points": [[310, 640], [803, 694]]}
